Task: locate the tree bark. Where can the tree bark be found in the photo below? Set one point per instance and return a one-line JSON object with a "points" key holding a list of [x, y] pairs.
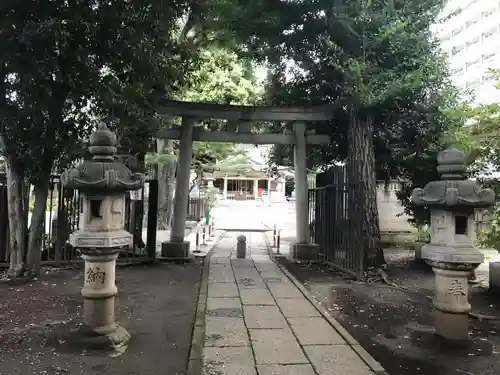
{"points": [[361, 165], [37, 227], [166, 184], [17, 223]]}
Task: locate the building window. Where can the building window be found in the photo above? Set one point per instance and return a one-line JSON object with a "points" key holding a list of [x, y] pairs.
{"points": [[473, 42], [489, 33], [472, 63], [489, 57], [472, 84], [473, 21], [456, 50], [457, 31], [488, 77], [457, 71], [489, 12]]}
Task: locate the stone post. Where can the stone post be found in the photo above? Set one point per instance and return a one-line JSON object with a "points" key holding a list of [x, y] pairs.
{"points": [[241, 246], [103, 183], [451, 252], [302, 249], [224, 191], [177, 247]]}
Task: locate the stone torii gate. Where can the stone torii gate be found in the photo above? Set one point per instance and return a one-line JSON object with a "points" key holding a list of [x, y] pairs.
{"points": [[241, 117]]}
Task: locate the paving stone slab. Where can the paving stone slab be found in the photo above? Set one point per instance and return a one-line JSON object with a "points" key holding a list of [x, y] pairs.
{"points": [[219, 260], [315, 331], [225, 332], [247, 274], [336, 359], [217, 277], [284, 290], [297, 308], [223, 303], [263, 317], [251, 283], [242, 263], [285, 370], [265, 264], [274, 276], [257, 297], [223, 290], [276, 346], [228, 361]]}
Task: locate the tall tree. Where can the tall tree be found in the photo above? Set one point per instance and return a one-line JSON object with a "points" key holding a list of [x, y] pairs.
{"points": [[378, 67], [65, 64]]}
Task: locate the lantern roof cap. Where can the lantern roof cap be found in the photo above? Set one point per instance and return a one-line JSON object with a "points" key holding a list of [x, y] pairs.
{"points": [[453, 190], [103, 173]]}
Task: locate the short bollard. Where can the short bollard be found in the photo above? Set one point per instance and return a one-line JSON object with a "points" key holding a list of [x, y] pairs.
{"points": [[241, 246], [197, 239]]}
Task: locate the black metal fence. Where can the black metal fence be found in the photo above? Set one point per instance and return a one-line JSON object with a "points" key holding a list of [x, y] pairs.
{"points": [[197, 208], [62, 218], [336, 225]]}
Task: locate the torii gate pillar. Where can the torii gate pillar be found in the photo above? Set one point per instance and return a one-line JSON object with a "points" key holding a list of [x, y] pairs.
{"points": [[302, 249]]}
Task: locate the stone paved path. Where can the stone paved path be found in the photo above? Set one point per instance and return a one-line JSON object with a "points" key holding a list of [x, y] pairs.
{"points": [[259, 323]]}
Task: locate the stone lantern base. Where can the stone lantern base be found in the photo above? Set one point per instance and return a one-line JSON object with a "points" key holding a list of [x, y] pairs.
{"points": [[451, 301], [114, 340], [99, 330]]}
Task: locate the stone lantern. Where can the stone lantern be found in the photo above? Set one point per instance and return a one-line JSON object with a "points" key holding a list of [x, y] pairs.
{"points": [[451, 252], [102, 182]]}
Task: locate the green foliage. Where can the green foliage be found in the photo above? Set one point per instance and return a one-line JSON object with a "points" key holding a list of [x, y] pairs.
{"points": [[222, 77], [485, 137], [424, 236], [67, 63]]}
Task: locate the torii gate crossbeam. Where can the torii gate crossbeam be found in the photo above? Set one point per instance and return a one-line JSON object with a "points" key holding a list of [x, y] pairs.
{"points": [[177, 247]]}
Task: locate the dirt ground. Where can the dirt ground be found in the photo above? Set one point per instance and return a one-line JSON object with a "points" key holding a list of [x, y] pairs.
{"points": [[396, 325], [156, 303]]}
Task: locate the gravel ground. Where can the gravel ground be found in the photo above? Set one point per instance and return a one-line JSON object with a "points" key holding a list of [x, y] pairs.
{"points": [[396, 325], [155, 303]]}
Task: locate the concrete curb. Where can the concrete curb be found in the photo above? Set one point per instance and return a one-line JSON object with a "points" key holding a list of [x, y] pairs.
{"points": [[195, 361], [363, 354]]}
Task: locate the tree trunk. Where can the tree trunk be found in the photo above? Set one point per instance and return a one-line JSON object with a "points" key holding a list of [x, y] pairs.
{"points": [[361, 164], [37, 227], [17, 223], [166, 184]]}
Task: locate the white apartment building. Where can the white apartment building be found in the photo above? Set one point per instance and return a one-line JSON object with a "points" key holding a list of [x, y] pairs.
{"points": [[470, 35]]}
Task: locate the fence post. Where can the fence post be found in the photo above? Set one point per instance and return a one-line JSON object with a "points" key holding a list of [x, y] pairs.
{"points": [[61, 220], [278, 240], [152, 217], [197, 238]]}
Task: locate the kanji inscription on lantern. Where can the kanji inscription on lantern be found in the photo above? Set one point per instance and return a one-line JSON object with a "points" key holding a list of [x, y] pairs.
{"points": [[94, 275], [440, 220], [457, 287]]}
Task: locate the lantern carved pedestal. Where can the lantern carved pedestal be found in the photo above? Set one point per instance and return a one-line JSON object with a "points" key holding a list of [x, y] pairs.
{"points": [[451, 252], [102, 183]]}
